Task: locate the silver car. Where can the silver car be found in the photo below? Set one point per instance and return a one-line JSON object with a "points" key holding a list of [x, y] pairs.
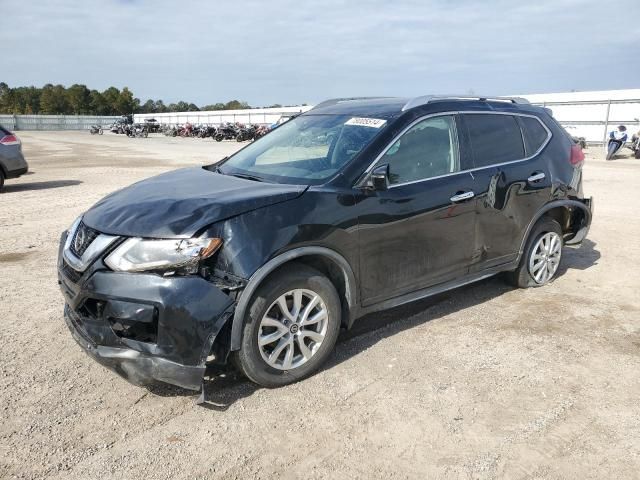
{"points": [[12, 162]]}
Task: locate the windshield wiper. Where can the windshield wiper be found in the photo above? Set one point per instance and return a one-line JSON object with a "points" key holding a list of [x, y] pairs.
{"points": [[215, 167], [246, 177]]}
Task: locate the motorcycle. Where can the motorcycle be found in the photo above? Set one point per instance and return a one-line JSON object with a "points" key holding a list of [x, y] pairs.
{"points": [[138, 131], [169, 130], [95, 129], [204, 131], [226, 131], [261, 131], [122, 125], [246, 132], [185, 130], [617, 139]]}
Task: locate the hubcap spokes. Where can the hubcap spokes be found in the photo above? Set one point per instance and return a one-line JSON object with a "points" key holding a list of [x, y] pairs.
{"points": [[545, 257], [292, 329]]}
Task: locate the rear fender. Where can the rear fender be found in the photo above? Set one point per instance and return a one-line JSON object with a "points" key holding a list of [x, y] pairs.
{"points": [[584, 206]]}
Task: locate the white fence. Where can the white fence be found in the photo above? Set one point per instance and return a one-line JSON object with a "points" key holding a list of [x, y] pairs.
{"points": [[593, 115], [261, 116], [54, 122]]}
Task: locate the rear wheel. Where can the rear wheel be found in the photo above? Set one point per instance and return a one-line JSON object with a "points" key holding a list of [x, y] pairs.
{"points": [[1, 179], [541, 257], [290, 328]]}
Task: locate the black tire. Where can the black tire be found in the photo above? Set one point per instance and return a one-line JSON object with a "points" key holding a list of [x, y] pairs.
{"points": [[521, 277], [290, 277], [1, 180], [219, 137], [240, 138]]}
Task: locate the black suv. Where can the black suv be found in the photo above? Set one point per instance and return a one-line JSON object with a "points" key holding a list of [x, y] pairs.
{"points": [[356, 206]]}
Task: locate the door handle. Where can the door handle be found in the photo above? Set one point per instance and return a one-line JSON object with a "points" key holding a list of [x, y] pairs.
{"points": [[536, 177], [462, 196]]}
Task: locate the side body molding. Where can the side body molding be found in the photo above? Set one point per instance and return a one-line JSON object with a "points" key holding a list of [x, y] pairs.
{"points": [[256, 280]]}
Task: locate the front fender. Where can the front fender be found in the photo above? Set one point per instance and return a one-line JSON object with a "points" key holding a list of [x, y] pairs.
{"points": [[351, 291]]}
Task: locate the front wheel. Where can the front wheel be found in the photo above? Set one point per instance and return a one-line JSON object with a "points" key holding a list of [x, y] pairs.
{"points": [[290, 327], [541, 257], [100, 132]]}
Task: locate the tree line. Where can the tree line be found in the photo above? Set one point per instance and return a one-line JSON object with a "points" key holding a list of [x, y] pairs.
{"points": [[80, 100]]}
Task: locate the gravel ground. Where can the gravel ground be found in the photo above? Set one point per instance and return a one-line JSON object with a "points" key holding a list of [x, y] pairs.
{"points": [[483, 382]]}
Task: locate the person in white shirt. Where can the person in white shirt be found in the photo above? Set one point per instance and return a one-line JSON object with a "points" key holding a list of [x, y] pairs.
{"points": [[620, 134]]}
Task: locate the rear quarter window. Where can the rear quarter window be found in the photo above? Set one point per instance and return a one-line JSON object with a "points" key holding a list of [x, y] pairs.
{"points": [[535, 135], [494, 138]]}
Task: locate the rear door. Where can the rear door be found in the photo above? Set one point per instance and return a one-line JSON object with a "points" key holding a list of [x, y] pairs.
{"points": [[506, 154]]}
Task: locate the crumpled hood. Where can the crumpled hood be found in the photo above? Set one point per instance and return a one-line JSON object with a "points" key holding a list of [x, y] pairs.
{"points": [[177, 204]]}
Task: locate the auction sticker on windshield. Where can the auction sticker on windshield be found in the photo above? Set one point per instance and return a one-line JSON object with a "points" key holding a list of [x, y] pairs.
{"points": [[366, 122]]}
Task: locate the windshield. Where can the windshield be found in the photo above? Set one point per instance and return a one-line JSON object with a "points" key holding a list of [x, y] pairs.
{"points": [[308, 149]]}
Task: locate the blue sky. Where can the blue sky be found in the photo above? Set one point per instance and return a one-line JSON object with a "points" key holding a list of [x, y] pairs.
{"points": [[293, 51]]}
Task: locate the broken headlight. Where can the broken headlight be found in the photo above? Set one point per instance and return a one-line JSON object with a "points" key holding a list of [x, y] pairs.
{"points": [[180, 256]]}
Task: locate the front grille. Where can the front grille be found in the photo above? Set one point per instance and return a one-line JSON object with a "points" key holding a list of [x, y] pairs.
{"points": [[70, 273], [82, 238]]}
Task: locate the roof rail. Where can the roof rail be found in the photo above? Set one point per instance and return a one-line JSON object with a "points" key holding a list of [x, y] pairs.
{"points": [[334, 101], [423, 100]]}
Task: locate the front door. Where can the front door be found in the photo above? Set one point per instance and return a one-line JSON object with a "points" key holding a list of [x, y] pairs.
{"points": [[420, 231]]}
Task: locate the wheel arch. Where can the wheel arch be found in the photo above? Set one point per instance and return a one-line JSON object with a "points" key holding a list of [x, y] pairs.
{"points": [[574, 217], [326, 260]]}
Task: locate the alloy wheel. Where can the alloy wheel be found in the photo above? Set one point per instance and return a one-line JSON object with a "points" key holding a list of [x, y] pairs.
{"points": [[545, 257], [292, 329]]}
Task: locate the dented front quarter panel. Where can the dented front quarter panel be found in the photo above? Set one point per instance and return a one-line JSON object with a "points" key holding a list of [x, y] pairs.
{"points": [[320, 217]]}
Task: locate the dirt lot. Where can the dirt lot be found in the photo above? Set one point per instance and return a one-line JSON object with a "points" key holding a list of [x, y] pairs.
{"points": [[484, 382]]}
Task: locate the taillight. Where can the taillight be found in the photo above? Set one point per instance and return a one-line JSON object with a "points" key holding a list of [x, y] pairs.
{"points": [[10, 140], [577, 155]]}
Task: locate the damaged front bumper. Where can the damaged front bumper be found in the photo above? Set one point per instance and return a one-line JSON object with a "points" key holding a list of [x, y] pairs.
{"points": [[145, 327]]}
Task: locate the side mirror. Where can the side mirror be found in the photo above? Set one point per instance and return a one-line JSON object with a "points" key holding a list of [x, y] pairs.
{"points": [[379, 178]]}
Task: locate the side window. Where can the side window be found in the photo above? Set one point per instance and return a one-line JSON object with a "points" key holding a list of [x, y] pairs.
{"points": [[534, 134], [494, 138], [426, 150]]}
